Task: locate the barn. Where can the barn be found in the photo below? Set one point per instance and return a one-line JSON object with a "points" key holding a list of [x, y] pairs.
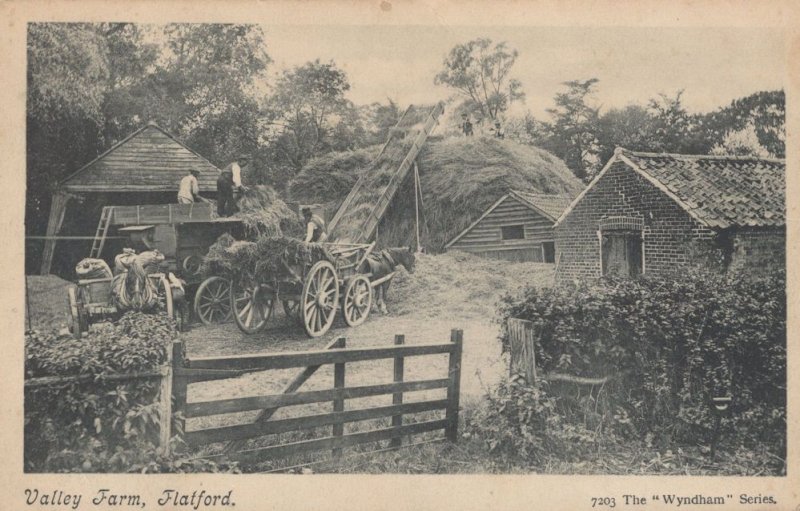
{"points": [[656, 213], [518, 227], [144, 168]]}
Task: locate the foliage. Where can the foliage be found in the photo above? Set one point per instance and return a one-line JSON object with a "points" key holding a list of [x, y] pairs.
{"points": [[308, 113], [669, 344], [92, 424], [480, 72], [572, 131]]}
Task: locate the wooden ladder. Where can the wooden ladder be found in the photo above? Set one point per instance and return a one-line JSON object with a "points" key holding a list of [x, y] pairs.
{"points": [[102, 230]]}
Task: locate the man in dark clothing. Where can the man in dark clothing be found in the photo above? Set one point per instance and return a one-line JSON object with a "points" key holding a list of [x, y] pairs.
{"points": [[226, 206], [315, 227]]}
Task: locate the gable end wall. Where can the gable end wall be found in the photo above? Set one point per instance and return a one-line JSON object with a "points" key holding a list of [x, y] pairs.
{"points": [[669, 231]]}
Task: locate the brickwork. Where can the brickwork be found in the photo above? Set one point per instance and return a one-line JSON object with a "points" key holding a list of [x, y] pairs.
{"points": [[671, 235], [758, 250]]}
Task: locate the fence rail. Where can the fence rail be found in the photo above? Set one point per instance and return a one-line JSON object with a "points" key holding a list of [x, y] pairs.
{"points": [[190, 370]]}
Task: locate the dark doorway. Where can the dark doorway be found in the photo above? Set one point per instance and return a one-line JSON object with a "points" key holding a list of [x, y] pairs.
{"points": [[549, 252], [622, 253]]}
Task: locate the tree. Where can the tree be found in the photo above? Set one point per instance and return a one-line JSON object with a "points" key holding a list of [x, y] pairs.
{"points": [[307, 114], [573, 129], [631, 127], [742, 142], [480, 73]]}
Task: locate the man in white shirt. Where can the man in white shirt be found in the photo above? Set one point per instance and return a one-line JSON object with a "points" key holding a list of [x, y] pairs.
{"points": [[189, 189], [236, 169]]}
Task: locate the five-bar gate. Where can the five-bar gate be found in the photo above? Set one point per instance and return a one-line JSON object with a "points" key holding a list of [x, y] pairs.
{"points": [[191, 370]]}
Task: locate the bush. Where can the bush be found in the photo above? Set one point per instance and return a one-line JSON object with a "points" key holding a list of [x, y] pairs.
{"points": [[91, 424], [668, 344]]}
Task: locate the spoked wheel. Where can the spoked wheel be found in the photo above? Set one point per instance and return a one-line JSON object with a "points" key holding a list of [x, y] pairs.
{"points": [[212, 301], [173, 310], [357, 300], [320, 298], [252, 306]]}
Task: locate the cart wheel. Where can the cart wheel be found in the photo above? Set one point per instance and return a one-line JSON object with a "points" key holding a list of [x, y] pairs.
{"points": [[212, 301], [163, 282], [252, 306], [74, 314], [357, 300], [291, 308], [320, 298]]}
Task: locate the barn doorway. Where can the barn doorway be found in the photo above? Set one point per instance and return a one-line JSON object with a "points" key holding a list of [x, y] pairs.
{"points": [[549, 252]]}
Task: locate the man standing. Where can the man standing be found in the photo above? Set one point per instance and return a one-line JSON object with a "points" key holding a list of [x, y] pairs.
{"points": [[315, 227], [189, 189], [225, 203]]}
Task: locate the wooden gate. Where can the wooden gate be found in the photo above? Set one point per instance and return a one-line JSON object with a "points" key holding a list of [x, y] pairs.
{"points": [[191, 370]]}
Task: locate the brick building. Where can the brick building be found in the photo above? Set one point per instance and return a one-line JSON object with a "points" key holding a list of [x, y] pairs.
{"points": [[653, 213]]}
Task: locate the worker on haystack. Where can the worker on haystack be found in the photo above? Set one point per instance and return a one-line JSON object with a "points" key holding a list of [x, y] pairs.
{"points": [[466, 126], [189, 189], [236, 169], [315, 227], [226, 205], [498, 132]]}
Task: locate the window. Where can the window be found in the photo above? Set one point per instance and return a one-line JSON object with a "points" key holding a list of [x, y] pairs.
{"points": [[513, 232]]}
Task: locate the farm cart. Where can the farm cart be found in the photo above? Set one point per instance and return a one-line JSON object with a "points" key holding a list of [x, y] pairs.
{"points": [[183, 233], [311, 292], [91, 301]]}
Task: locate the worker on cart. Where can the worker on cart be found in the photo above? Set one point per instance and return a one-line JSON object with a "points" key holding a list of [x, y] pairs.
{"points": [[315, 227], [226, 205], [189, 189]]}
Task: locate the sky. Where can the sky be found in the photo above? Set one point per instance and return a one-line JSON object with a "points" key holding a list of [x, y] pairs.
{"points": [[713, 65]]}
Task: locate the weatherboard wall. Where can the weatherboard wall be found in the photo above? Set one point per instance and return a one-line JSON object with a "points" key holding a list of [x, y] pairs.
{"points": [[486, 237], [150, 160]]}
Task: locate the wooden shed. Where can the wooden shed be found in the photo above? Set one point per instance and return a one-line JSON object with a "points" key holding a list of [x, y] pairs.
{"points": [[144, 168], [518, 227]]}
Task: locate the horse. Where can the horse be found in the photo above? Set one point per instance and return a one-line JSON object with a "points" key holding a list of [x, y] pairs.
{"points": [[382, 264]]}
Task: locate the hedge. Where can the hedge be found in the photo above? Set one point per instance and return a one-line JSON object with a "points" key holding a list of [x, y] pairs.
{"points": [[668, 345]]}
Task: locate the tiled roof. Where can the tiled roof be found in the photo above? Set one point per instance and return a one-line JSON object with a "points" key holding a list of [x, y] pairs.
{"points": [[551, 205], [720, 191]]}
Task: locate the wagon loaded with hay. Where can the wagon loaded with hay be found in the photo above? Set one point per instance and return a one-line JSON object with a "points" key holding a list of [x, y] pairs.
{"points": [[310, 281]]}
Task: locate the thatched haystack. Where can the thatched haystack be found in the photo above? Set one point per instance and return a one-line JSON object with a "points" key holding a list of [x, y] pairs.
{"points": [[460, 178]]}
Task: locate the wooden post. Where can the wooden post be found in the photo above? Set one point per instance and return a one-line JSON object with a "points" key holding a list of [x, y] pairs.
{"points": [[397, 397], [454, 386], [165, 405], [179, 389], [523, 358], [417, 193], [58, 206], [338, 404]]}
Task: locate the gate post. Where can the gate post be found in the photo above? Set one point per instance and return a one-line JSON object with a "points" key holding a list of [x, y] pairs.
{"points": [[338, 404], [453, 386], [179, 388], [521, 344], [165, 406], [397, 397]]}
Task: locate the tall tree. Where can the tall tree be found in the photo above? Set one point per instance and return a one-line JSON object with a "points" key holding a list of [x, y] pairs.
{"points": [[307, 114], [573, 128], [480, 73], [631, 127]]}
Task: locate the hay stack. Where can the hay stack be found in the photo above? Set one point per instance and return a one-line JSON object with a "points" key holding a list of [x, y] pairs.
{"points": [[460, 178], [264, 213]]}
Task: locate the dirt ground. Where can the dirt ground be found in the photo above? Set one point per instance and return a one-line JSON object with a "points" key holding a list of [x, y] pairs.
{"points": [[449, 291]]}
